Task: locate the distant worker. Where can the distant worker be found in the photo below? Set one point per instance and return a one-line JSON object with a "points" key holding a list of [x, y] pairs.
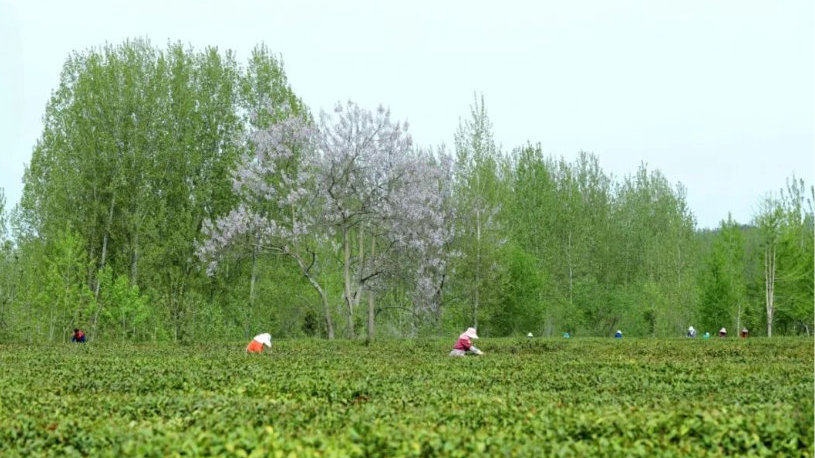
{"points": [[691, 332], [744, 333], [706, 336], [723, 332], [464, 345], [78, 336], [256, 345], [566, 335], [618, 334]]}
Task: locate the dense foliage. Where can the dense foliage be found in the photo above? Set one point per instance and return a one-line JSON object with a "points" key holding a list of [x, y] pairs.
{"points": [[177, 193], [530, 397]]}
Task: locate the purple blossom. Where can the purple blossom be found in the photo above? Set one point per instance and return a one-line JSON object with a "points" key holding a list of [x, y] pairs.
{"points": [[307, 185]]}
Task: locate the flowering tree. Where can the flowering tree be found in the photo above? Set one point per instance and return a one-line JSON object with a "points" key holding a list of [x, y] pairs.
{"points": [[362, 155], [348, 184], [276, 190], [421, 229]]}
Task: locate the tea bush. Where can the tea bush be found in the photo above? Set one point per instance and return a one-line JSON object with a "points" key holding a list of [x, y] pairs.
{"points": [[526, 397]]}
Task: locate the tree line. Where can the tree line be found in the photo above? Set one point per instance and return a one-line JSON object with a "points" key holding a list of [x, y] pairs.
{"points": [[177, 194]]}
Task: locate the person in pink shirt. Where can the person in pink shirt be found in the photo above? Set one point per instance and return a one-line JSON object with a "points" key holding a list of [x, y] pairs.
{"points": [[464, 344]]}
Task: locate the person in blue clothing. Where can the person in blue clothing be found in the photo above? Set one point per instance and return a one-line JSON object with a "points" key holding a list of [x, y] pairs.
{"points": [[78, 336], [618, 334]]}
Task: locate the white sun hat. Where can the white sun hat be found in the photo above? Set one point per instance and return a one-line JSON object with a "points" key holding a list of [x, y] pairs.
{"points": [[471, 333], [265, 339], [529, 335]]}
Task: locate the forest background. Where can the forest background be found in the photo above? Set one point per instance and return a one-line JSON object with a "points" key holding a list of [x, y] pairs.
{"points": [[178, 194]]}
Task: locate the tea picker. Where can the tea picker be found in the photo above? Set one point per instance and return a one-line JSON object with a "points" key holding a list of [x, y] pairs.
{"points": [[464, 345], [78, 336], [256, 345]]}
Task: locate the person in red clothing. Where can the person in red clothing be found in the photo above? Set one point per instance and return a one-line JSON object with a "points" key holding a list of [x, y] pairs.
{"points": [[256, 345], [78, 336], [464, 345]]}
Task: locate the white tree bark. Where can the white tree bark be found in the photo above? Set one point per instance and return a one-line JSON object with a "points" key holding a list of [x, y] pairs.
{"points": [[769, 285], [371, 304]]}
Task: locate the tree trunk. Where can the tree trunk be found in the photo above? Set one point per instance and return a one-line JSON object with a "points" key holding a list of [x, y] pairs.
{"points": [[569, 259], [679, 265], [313, 281], [346, 271], [95, 322], [769, 285], [104, 247], [51, 325], [252, 281], [738, 318], [371, 299], [329, 325], [134, 265], [477, 266]]}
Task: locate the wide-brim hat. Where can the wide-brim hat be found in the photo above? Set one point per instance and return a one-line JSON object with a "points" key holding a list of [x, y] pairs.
{"points": [[265, 339], [470, 332]]}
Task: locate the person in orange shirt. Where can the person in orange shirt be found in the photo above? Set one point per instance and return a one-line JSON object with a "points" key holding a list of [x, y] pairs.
{"points": [[256, 345]]}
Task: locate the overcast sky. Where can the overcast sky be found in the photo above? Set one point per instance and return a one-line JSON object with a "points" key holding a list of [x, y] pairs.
{"points": [[718, 95]]}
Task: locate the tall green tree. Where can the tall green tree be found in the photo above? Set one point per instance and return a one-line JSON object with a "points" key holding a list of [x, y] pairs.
{"points": [[769, 222], [136, 153], [723, 283], [7, 266], [794, 279], [580, 231], [653, 254], [478, 191], [532, 221]]}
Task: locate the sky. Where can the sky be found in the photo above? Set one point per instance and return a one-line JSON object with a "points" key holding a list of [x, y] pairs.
{"points": [[718, 96]]}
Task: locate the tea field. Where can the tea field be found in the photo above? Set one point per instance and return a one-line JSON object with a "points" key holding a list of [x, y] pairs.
{"points": [[530, 397]]}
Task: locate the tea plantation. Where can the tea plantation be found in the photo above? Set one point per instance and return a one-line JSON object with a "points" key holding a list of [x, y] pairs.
{"points": [[530, 397]]}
